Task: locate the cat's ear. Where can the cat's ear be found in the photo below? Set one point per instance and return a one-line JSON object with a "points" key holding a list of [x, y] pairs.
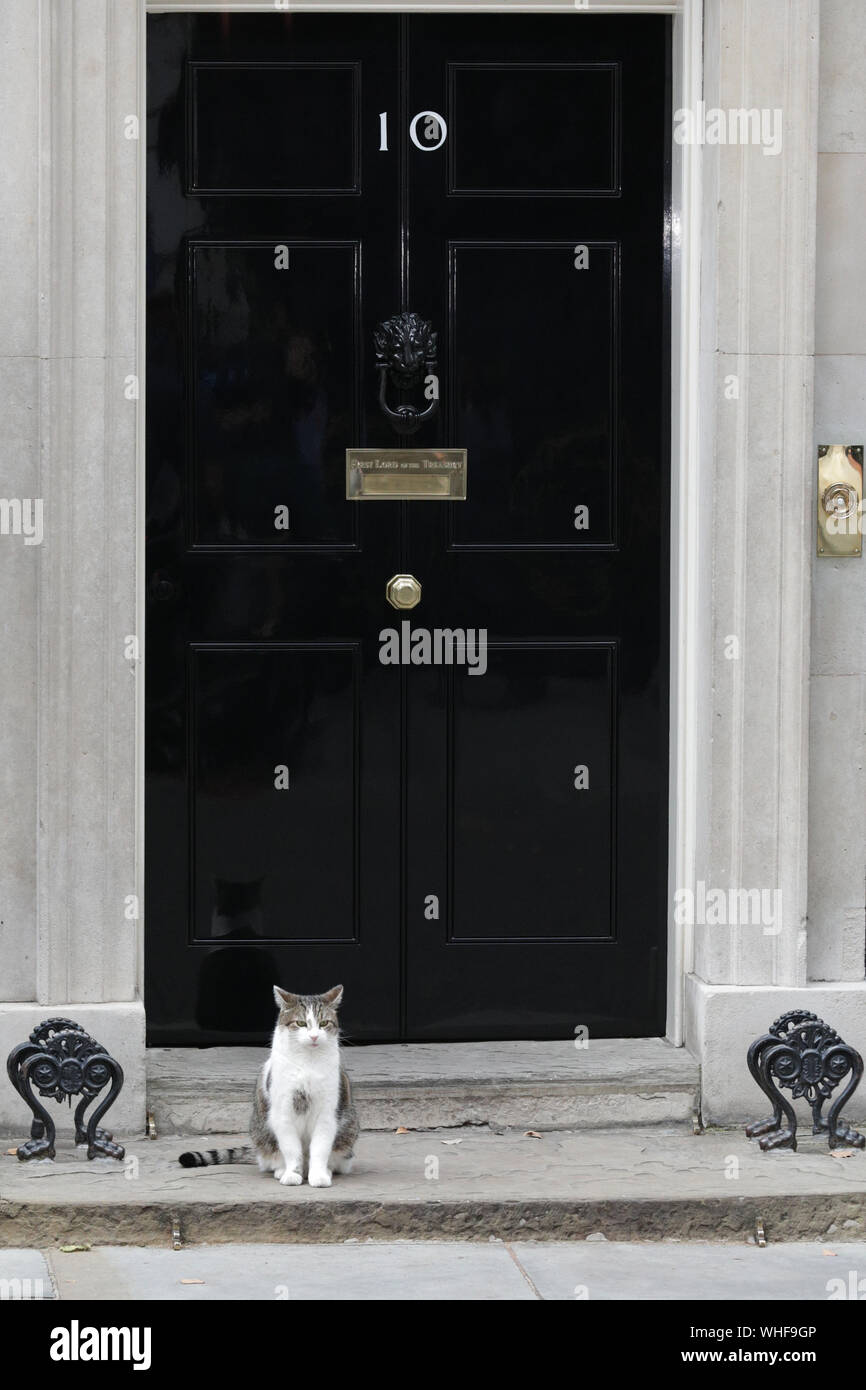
{"points": [[284, 1000], [333, 996]]}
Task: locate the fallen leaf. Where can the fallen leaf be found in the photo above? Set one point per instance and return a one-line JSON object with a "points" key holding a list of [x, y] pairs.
{"points": [[401, 1129], [532, 1134], [71, 1249], [451, 1141], [192, 1281]]}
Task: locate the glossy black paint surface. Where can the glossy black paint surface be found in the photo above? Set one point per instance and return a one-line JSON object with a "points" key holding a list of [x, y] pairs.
{"points": [[406, 783]]}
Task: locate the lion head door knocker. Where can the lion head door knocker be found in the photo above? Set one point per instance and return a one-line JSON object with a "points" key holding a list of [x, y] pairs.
{"points": [[405, 352]]}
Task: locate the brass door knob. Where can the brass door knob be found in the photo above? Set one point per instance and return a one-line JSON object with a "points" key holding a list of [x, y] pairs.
{"points": [[403, 591]]}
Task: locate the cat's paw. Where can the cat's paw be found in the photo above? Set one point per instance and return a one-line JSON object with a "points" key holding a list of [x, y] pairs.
{"points": [[289, 1177], [320, 1177]]}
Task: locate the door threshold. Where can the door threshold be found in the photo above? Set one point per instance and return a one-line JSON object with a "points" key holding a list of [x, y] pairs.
{"points": [[536, 1085]]}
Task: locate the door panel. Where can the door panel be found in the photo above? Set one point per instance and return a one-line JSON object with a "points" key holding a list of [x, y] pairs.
{"points": [[262, 652], [275, 128], [555, 275], [473, 854], [275, 376], [245, 702], [525, 850], [538, 419], [542, 129]]}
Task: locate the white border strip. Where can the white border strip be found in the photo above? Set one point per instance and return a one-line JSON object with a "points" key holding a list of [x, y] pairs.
{"points": [[685, 576], [141, 483], [405, 6]]}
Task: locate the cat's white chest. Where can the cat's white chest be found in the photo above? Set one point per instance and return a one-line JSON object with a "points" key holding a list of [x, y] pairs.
{"points": [[301, 1090]]}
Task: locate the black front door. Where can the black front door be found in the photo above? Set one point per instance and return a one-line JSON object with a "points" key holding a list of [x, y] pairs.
{"points": [[475, 849]]}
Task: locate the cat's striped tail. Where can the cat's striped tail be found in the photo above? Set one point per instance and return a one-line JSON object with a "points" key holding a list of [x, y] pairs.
{"points": [[194, 1159]]}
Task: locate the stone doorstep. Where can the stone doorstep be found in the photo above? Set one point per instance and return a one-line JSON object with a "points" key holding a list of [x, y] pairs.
{"points": [[645, 1184], [534, 1085]]}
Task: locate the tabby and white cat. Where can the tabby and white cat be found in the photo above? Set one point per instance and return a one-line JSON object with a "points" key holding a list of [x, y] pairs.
{"points": [[303, 1116]]}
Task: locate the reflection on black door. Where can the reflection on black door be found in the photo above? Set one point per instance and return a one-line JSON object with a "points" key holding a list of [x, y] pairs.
{"points": [[474, 853]]}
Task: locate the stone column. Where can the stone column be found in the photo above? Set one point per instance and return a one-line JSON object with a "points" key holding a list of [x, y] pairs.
{"points": [[837, 783], [759, 287], [69, 941]]}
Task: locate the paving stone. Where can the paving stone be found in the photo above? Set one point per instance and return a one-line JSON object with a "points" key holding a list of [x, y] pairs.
{"points": [[433, 1272], [706, 1273], [24, 1275]]}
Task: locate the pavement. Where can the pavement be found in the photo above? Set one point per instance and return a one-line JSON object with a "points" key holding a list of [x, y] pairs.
{"points": [[447, 1185], [593, 1270]]}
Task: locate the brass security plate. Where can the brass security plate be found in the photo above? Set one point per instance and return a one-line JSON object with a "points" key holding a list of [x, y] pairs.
{"points": [[408, 475], [840, 494]]}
